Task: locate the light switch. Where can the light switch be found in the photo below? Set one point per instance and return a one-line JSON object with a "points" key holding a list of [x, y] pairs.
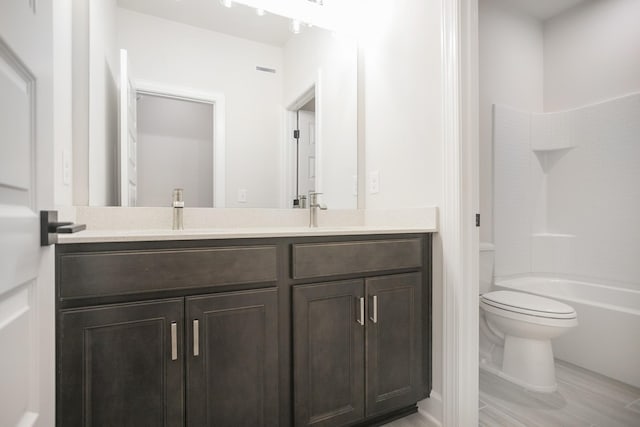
{"points": [[374, 182], [242, 195]]}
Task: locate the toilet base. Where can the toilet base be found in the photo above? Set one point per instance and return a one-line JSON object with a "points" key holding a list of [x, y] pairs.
{"points": [[527, 363]]}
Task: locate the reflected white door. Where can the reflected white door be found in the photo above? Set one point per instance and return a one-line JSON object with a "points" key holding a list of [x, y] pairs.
{"points": [[27, 320], [307, 152], [128, 146]]}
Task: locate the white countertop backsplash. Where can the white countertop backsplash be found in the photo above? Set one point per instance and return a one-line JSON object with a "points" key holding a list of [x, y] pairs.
{"points": [[116, 224]]}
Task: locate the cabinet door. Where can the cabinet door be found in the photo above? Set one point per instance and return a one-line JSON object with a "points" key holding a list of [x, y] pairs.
{"points": [[232, 359], [121, 365], [394, 342], [328, 353]]}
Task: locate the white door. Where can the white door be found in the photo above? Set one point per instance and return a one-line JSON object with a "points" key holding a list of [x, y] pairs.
{"points": [[307, 152], [128, 146], [27, 385]]}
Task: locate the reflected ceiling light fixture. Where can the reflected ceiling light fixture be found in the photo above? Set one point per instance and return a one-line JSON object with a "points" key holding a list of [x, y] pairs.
{"points": [[260, 12], [295, 26], [318, 2], [226, 3]]}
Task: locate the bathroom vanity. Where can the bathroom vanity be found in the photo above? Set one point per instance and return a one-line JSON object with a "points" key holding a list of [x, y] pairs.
{"points": [[254, 331]]}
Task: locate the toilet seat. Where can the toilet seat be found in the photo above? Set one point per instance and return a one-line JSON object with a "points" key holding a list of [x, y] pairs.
{"points": [[532, 308]]}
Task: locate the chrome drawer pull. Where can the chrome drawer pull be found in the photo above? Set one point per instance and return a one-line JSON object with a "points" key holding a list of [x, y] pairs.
{"points": [[174, 341], [374, 318], [196, 337]]}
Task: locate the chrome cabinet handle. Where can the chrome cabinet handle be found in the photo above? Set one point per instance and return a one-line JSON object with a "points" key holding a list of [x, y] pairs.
{"points": [[174, 341], [361, 319], [374, 317], [196, 337]]}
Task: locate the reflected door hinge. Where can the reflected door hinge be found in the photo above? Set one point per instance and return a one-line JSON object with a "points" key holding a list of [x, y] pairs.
{"points": [[296, 134], [477, 220]]}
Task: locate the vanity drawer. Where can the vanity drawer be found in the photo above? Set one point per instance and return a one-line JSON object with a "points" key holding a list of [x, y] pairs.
{"points": [[98, 274], [337, 258]]}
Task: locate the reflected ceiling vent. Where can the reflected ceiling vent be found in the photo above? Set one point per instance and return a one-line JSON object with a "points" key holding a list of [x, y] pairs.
{"points": [[266, 69]]}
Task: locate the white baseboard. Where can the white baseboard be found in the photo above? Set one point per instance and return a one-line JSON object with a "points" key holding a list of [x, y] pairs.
{"points": [[431, 410]]}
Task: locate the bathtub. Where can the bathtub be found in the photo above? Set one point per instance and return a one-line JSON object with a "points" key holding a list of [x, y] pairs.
{"points": [[607, 338]]}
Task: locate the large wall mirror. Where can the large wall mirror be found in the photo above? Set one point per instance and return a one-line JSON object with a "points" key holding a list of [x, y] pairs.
{"points": [[237, 106]]}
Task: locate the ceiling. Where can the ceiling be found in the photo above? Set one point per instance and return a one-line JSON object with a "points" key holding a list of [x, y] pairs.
{"points": [[544, 9], [239, 20]]}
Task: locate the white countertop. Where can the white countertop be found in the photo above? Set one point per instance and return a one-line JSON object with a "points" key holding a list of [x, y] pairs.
{"points": [[117, 224], [96, 236]]}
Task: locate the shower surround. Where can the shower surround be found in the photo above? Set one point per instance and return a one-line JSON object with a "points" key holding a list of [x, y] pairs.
{"points": [[566, 205]]}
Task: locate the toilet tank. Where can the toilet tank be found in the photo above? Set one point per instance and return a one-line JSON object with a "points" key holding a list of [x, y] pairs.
{"points": [[486, 267]]}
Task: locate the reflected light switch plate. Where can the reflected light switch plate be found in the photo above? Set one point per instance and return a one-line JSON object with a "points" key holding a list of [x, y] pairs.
{"points": [[242, 195], [66, 167], [374, 182]]}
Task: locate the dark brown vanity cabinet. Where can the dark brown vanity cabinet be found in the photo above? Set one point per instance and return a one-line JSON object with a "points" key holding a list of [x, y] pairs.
{"points": [[121, 365], [328, 357], [357, 348], [127, 365], [393, 342], [167, 334], [232, 359], [323, 331]]}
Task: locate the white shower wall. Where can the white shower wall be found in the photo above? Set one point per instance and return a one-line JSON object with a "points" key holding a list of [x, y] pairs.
{"points": [[511, 53], [513, 201], [593, 192], [585, 55], [567, 193]]}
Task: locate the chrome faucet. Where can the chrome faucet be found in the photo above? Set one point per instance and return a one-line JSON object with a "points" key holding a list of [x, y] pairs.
{"points": [[178, 205], [313, 208]]}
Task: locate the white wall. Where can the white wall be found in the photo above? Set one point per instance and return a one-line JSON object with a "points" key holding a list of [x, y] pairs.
{"points": [[103, 103], [402, 91], [175, 150], [402, 117], [592, 53], [80, 100], [62, 15], [179, 55], [511, 73], [316, 53]]}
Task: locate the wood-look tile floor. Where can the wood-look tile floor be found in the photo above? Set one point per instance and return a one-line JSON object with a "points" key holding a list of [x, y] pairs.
{"points": [[583, 399]]}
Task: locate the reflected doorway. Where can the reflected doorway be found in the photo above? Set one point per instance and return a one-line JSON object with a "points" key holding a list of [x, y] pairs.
{"points": [[303, 157], [174, 150], [306, 151]]}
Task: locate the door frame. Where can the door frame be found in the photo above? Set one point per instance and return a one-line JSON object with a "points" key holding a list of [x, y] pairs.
{"points": [[459, 234], [217, 100]]}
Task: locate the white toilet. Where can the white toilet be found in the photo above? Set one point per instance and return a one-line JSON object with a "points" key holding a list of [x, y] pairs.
{"points": [[516, 329]]}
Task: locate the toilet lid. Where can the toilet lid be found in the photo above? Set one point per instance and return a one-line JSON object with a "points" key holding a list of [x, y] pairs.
{"points": [[521, 302]]}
